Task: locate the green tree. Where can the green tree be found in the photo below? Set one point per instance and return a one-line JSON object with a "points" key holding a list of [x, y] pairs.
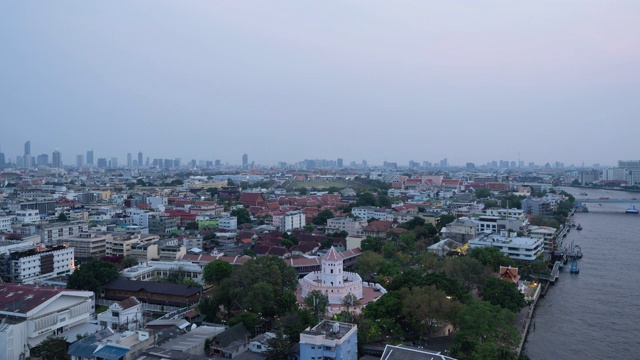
{"points": [[51, 349], [302, 190], [368, 263], [371, 243], [62, 217], [491, 256], [367, 199], [384, 200], [278, 347], [216, 271], [191, 226], [468, 271], [317, 302], [322, 217], [486, 331], [483, 193], [128, 261], [504, 294], [92, 276], [242, 215], [426, 308]]}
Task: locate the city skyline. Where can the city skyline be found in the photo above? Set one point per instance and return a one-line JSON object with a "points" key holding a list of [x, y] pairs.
{"points": [[286, 81]]}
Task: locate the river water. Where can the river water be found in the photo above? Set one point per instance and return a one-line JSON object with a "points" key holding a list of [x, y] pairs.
{"points": [[596, 313]]}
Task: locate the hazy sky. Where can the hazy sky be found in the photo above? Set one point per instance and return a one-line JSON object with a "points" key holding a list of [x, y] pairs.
{"points": [[288, 80]]}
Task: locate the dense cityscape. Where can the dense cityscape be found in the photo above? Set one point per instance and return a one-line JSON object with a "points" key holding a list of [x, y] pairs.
{"points": [[314, 260]]}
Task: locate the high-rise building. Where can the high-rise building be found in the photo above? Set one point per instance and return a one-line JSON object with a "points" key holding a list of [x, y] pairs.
{"points": [[79, 160], [43, 160], [27, 148], [245, 161], [56, 159], [129, 160], [340, 163], [113, 163], [140, 160], [102, 162], [2, 160], [90, 157]]}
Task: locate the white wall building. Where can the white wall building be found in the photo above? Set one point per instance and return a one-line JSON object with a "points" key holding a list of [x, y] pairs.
{"points": [[228, 223], [29, 265], [28, 216], [32, 313], [519, 248], [351, 226], [122, 315], [5, 224], [292, 220], [137, 217]]}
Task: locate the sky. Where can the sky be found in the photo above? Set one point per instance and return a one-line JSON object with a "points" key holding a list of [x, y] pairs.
{"points": [[470, 81]]}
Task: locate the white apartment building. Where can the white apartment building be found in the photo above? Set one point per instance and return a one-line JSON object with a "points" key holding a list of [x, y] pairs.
{"points": [[122, 315], [351, 226], [28, 216], [5, 224], [29, 265], [368, 212], [518, 248], [52, 233], [228, 223], [292, 220], [137, 217]]}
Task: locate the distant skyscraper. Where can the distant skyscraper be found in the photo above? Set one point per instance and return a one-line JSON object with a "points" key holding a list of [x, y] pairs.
{"points": [[90, 157], [140, 160], [2, 160], [245, 161], [129, 160], [113, 163], [27, 154], [79, 160], [340, 163], [43, 160], [56, 159]]}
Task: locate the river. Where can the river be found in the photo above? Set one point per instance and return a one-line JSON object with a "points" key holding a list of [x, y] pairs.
{"points": [[596, 313]]}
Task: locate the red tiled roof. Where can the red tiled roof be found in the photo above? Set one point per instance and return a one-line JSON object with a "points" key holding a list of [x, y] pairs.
{"points": [[19, 298], [332, 255]]}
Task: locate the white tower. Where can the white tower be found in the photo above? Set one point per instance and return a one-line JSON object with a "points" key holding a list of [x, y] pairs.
{"points": [[332, 263]]}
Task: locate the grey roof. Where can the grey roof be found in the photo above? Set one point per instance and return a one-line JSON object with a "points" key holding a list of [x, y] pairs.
{"points": [[157, 353], [234, 333], [152, 287], [392, 352]]}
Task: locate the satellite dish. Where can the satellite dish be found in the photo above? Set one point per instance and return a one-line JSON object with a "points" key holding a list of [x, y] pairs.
{"points": [[193, 326], [335, 328]]}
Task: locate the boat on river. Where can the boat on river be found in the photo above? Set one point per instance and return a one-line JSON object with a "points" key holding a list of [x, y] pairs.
{"points": [[632, 210], [579, 227]]}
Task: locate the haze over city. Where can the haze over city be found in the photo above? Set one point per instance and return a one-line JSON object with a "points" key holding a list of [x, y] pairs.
{"points": [[288, 80]]}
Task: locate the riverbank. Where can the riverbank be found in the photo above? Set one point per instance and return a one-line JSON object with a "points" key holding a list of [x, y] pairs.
{"points": [[525, 323]]}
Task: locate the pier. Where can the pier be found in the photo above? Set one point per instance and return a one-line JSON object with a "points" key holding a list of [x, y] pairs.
{"points": [[552, 276]]}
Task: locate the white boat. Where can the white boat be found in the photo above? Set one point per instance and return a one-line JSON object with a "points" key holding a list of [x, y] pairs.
{"points": [[632, 210]]}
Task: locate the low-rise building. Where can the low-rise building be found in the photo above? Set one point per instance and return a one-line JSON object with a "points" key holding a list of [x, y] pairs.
{"points": [[87, 245], [352, 226], [292, 220], [31, 314], [330, 340], [519, 248], [228, 223], [122, 315], [52, 233]]}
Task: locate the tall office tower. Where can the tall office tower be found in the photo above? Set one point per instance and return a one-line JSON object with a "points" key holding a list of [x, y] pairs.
{"points": [[27, 154], [113, 163], [340, 163], [129, 160], [218, 163], [245, 161], [79, 160], [140, 160], [444, 163], [2, 161], [102, 162], [56, 159], [90, 157], [19, 161], [43, 160]]}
